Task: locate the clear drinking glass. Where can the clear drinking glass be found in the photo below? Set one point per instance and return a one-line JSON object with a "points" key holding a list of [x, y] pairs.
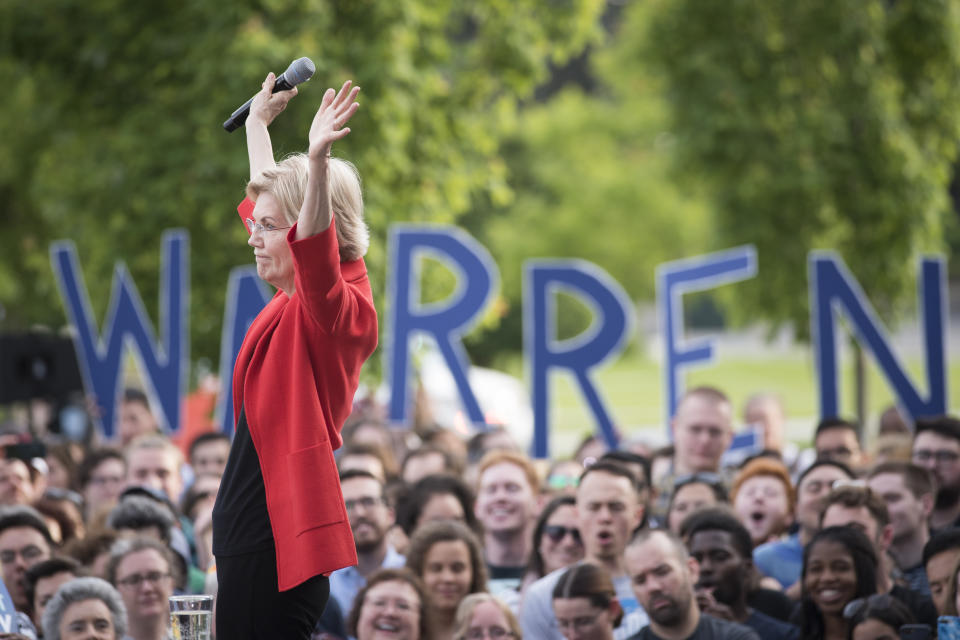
{"points": [[191, 617]]}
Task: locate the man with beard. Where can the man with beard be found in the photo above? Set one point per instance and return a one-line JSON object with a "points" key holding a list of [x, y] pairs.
{"points": [[608, 511], [24, 542], [370, 519], [936, 447], [908, 491], [722, 548], [663, 576]]}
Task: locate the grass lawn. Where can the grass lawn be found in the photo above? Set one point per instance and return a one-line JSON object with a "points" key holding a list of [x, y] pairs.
{"points": [[632, 388]]}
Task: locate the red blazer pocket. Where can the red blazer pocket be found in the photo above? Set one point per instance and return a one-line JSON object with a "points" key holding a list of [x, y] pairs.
{"points": [[313, 476]]}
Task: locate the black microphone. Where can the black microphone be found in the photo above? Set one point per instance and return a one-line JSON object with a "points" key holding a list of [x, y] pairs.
{"points": [[300, 70]]}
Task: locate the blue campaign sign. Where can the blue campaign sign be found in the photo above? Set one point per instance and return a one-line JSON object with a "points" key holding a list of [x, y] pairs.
{"points": [[676, 278], [163, 362], [445, 321], [604, 339], [744, 444], [247, 295], [834, 291]]}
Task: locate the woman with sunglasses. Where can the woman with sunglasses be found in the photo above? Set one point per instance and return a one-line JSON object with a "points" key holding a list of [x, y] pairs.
{"points": [[878, 617], [839, 566], [279, 513], [556, 539], [585, 603]]}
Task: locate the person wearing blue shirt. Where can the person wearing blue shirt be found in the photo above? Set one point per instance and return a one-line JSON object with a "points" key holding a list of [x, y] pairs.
{"points": [[782, 560], [370, 518]]}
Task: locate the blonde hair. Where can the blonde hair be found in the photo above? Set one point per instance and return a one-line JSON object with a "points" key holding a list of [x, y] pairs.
{"points": [[464, 615], [287, 182], [155, 441]]}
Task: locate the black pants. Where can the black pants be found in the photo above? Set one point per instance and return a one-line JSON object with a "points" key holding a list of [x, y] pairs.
{"points": [[251, 607]]}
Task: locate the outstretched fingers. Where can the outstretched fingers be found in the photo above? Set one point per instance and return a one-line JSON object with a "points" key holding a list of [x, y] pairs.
{"points": [[343, 117], [342, 94]]}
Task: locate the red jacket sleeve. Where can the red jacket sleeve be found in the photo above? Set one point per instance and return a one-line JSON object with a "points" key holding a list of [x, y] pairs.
{"points": [[335, 295]]}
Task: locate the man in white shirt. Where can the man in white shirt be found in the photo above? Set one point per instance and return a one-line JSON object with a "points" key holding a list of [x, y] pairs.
{"points": [[608, 511]]}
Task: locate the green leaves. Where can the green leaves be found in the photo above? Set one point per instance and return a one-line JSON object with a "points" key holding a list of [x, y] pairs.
{"points": [[111, 124], [821, 124]]}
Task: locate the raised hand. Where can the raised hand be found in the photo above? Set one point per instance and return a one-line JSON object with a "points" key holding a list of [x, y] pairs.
{"points": [[267, 105], [335, 111]]}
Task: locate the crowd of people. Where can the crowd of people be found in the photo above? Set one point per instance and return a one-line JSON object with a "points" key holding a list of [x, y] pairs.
{"points": [[466, 538]]}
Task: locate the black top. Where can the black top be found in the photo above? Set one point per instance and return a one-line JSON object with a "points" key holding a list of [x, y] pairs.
{"points": [[505, 573], [920, 606], [772, 629], [241, 523], [709, 628], [771, 602]]}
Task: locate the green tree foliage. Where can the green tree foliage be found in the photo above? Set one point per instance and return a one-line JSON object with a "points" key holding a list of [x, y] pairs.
{"points": [[590, 172], [818, 124], [111, 124]]}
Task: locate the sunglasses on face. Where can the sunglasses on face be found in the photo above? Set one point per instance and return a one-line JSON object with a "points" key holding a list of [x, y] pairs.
{"points": [[556, 533]]}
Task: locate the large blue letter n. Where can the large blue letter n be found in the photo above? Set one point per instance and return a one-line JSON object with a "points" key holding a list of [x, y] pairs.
{"points": [[833, 290]]}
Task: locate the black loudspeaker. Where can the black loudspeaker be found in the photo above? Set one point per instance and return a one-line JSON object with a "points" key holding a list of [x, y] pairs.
{"points": [[37, 365]]}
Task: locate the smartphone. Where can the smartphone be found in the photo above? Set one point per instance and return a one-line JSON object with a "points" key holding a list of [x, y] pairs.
{"points": [[916, 632], [948, 628], [26, 451]]}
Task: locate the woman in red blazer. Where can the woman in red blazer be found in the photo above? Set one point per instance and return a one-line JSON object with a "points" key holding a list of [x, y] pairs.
{"points": [[279, 523]]}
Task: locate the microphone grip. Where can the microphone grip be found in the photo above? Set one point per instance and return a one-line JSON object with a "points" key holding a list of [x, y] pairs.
{"points": [[239, 117]]}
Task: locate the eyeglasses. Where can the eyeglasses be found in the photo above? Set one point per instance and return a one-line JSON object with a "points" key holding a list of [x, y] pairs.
{"points": [[556, 533], [383, 603], [153, 577], [253, 227], [476, 633], [878, 601], [367, 502], [56, 493], [577, 624], [105, 480], [28, 553], [842, 483], [943, 456]]}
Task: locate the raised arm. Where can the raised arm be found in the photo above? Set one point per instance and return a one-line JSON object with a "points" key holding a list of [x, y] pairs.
{"points": [[265, 107], [328, 126]]}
